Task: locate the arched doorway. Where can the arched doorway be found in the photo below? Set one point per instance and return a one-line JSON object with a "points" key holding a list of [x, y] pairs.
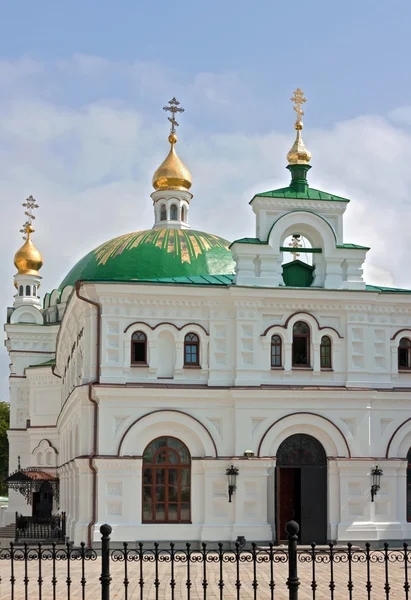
{"points": [[302, 488], [166, 481], [43, 501]]}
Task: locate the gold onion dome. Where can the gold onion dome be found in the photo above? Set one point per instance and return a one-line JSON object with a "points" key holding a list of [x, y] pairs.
{"points": [[298, 155], [172, 174], [28, 260]]}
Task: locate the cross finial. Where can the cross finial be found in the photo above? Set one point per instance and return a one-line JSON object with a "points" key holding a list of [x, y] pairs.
{"points": [[18, 463], [298, 99], [294, 244], [30, 205], [173, 108]]}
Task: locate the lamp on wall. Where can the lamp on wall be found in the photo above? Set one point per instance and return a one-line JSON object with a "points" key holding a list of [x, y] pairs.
{"points": [[248, 453], [231, 473], [376, 481]]}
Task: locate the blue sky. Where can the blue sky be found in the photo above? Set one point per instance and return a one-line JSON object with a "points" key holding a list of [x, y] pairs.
{"points": [[82, 84]]}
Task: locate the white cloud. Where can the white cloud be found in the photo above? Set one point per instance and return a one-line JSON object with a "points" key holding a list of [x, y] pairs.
{"points": [[70, 136]]}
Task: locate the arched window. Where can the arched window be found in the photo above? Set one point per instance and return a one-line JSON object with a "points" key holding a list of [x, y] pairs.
{"points": [[28, 290], [409, 485], [191, 350], [34, 290], [166, 482], [404, 354], [163, 213], [138, 348], [301, 344], [173, 212], [325, 352], [21, 290], [183, 214], [276, 351]]}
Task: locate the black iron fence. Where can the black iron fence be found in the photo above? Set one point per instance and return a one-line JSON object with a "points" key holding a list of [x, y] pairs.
{"points": [[244, 571], [41, 528]]}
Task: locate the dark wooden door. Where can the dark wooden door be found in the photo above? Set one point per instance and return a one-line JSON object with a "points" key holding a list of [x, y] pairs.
{"points": [[302, 488], [289, 499], [313, 523]]}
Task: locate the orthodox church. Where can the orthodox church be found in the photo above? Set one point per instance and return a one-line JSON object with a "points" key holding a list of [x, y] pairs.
{"points": [[184, 388]]}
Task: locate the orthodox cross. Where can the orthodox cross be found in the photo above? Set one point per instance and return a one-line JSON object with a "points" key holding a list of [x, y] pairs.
{"points": [[295, 243], [30, 205], [173, 108], [298, 99]]}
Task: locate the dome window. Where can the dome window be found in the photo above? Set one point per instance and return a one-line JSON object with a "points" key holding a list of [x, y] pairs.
{"points": [[21, 290], [34, 290], [173, 212], [183, 214], [28, 290], [163, 213]]}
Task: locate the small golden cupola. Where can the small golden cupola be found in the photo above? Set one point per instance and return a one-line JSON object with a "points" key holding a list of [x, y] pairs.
{"points": [[172, 182], [28, 261], [298, 155]]}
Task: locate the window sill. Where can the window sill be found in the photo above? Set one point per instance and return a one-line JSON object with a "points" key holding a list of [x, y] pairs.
{"points": [[302, 368], [326, 369], [139, 365], [192, 367], [404, 370], [277, 368]]}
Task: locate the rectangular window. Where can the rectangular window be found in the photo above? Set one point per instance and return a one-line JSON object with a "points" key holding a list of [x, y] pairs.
{"points": [[300, 351], [325, 357], [139, 352], [276, 356], [403, 358], [191, 354]]}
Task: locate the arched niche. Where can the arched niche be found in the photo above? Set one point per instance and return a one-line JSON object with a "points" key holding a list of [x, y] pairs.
{"points": [[188, 429]]}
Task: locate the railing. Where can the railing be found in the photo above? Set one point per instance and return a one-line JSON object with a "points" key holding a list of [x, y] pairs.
{"points": [[41, 528], [244, 571]]}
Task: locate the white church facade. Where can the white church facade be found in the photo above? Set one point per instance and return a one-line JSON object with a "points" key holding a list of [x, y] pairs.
{"points": [[168, 357]]}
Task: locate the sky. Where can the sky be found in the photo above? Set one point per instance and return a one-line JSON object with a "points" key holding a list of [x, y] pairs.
{"points": [[82, 86]]}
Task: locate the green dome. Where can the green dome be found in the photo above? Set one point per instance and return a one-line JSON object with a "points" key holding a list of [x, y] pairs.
{"points": [[155, 254]]}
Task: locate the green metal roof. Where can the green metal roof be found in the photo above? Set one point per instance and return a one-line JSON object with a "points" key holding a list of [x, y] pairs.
{"points": [[308, 194], [387, 290], [353, 246], [48, 363], [155, 254], [227, 280]]}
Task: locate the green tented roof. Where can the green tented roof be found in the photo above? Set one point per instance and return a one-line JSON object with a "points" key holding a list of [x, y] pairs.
{"points": [[377, 288], [308, 194]]}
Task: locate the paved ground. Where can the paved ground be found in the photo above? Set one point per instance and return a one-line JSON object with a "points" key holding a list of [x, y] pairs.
{"points": [[261, 571]]}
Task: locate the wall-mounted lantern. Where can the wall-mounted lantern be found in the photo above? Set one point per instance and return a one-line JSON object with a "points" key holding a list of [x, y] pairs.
{"points": [[376, 481], [248, 453], [231, 473]]}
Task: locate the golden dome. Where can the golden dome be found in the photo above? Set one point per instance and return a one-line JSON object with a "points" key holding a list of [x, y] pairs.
{"points": [[298, 155], [172, 174], [28, 260]]}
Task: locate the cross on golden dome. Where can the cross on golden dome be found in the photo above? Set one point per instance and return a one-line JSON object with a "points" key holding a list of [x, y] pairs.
{"points": [[174, 108], [30, 205], [298, 99], [298, 155], [172, 174], [28, 259]]}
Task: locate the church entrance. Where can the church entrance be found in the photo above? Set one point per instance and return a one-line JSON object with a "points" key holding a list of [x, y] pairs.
{"points": [[43, 501], [302, 488]]}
